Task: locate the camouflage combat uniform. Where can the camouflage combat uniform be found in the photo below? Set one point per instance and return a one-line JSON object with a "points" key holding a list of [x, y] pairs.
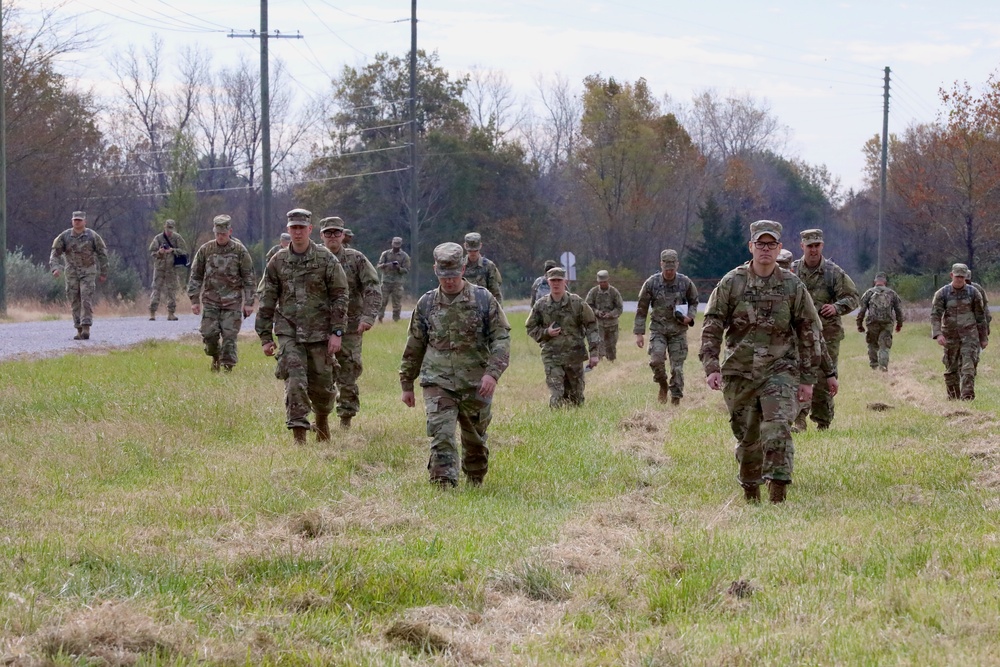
{"points": [[222, 281], [365, 302], [539, 288], [86, 259], [763, 320], [303, 303], [986, 306], [827, 283], [453, 342], [485, 274], [667, 333], [881, 310], [393, 280], [564, 355], [958, 314], [607, 306], [165, 280]]}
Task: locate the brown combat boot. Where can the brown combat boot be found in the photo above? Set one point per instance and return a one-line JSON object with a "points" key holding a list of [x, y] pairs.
{"points": [[215, 365], [475, 480], [675, 400], [299, 434], [800, 425], [664, 394], [751, 493], [776, 491], [171, 317], [345, 422], [152, 315], [953, 392], [85, 332], [79, 334], [322, 428]]}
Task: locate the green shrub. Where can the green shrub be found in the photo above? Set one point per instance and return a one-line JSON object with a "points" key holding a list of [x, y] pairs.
{"points": [[913, 288], [28, 281], [123, 283]]}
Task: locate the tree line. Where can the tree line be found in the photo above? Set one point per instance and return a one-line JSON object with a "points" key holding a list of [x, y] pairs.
{"points": [[608, 169]]}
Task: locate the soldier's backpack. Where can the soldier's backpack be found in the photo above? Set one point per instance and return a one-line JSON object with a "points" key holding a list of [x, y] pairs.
{"points": [[426, 304], [880, 306]]}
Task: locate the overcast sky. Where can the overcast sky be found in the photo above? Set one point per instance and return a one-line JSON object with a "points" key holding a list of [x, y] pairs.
{"points": [[818, 64]]}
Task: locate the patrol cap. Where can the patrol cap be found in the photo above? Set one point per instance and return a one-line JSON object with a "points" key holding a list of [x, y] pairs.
{"points": [[784, 258], [602, 275], [449, 260], [222, 222], [761, 227], [298, 217], [79, 215], [285, 236], [398, 241], [170, 224], [810, 236], [348, 234], [557, 272], [669, 257], [473, 241], [881, 276], [960, 270], [549, 263], [332, 222]]}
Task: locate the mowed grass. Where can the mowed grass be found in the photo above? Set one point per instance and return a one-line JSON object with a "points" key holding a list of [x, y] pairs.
{"points": [[156, 513]]}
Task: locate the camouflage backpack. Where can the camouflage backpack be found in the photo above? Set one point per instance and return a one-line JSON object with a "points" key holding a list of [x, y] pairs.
{"points": [[880, 306]]}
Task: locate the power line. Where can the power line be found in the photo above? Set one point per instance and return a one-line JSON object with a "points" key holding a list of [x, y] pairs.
{"points": [[199, 18], [332, 32], [358, 16]]}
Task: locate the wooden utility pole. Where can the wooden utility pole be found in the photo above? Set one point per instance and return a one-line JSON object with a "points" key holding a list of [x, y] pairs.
{"points": [[265, 121], [3, 188], [885, 162], [414, 201]]}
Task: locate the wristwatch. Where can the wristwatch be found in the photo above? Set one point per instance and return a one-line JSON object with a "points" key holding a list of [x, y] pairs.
{"points": [[338, 333]]}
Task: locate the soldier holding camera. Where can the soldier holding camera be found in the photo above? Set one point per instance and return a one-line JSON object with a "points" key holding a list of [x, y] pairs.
{"points": [[168, 251], [394, 265]]}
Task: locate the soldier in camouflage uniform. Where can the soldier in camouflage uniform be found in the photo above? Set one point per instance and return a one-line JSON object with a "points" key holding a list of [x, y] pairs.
{"points": [[668, 325], [84, 256], [348, 240], [785, 258], [834, 294], [283, 242], [958, 323], [986, 303], [394, 265], [607, 304], [221, 279], [459, 345], [762, 314], [479, 270], [540, 287], [304, 305], [880, 309], [565, 326], [163, 249], [365, 300]]}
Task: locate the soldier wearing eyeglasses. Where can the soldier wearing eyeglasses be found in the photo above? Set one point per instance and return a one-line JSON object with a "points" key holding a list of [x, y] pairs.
{"points": [[834, 294]]}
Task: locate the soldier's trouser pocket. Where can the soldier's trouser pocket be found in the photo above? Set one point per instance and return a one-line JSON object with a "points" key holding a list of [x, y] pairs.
{"points": [[281, 369]]}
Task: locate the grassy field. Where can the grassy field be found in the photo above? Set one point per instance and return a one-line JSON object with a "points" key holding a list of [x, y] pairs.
{"points": [[155, 513]]}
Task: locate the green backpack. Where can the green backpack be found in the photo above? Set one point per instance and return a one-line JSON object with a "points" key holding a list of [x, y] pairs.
{"points": [[880, 306]]}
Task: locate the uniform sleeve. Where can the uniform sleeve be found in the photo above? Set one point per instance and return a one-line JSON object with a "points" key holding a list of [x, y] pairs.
{"points": [[372, 292], [865, 300], [337, 289], [154, 247], [588, 323], [498, 340], [404, 265], [249, 283], [591, 299], [713, 328], [536, 324], [897, 307], [847, 294], [495, 282], [642, 309], [534, 291], [180, 245], [197, 277], [691, 297], [980, 313], [101, 249], [806, 322], [937, 312], [270, 288], [617, 303], [56, 262], [416, 347]]}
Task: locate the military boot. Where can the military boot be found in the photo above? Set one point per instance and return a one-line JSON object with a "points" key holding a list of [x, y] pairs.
{"points": [[751, 493], [85, 332], [215, 364], [675, 400], [152, 315], [800, 425], [441, 477], [79, 334], [322, 428], [299, 434], [776, 491], [171, 317], [953, 392], [345, 422], [664, 394]]}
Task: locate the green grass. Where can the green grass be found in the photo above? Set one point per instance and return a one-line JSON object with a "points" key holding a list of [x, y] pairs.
{"points": [[159, 513]]}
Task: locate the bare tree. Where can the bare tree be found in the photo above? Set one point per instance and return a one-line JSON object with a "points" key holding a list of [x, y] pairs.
{"points": [[551, 138], [493, 106], [735, 126]]}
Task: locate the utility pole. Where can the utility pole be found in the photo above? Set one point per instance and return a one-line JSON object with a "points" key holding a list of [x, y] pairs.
{"points": [[265, 120], [414, 232], [3, 188], [885, 162]]}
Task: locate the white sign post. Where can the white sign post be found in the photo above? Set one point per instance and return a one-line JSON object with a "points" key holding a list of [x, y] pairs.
{"points": [[568, 260]]}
